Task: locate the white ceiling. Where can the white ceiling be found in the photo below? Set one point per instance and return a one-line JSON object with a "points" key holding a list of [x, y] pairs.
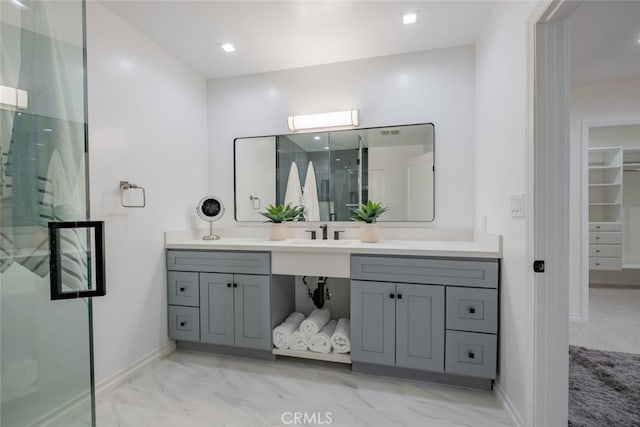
{"points": [[604, 41], [278, 35]]}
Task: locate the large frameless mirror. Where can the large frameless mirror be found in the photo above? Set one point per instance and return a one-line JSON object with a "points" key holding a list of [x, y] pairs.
{"points": [[330, 173]]}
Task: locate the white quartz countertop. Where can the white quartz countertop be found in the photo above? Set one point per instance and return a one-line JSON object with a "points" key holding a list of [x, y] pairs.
{"points": [[477, 248]]}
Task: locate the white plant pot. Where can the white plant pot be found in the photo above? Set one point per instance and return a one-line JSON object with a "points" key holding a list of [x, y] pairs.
{"points": [[369, 233], [278, 232]]}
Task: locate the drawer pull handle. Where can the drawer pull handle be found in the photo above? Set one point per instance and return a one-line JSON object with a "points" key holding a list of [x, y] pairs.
{"points": [[598, 227], [392, 295], [597, 237], [183, 324], [182, 289], [597, 251], [597, 263], [472, 310], [472, 355], [228, 285]]}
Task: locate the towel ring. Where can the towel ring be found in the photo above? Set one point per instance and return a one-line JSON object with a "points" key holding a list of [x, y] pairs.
{"points": [[126, 185]]}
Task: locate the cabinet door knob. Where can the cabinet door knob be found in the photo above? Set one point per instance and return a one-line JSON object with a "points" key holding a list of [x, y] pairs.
{"points": [[597, 251], [392, 295], [235, 285], [182, 324], [597, 237], [472, 310], [182, 289], [228, 285], [472, 355], [598, 227], [597, 263], [399, 296]]}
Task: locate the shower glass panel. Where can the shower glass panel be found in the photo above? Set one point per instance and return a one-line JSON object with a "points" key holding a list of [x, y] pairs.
{"points": [[46, 345]]}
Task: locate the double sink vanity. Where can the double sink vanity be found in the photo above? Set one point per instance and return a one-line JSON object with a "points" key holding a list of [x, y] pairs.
{"points": [[423, 302]]}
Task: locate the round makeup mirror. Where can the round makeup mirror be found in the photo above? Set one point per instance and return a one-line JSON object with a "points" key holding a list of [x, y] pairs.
{"points": [[210, 209]]}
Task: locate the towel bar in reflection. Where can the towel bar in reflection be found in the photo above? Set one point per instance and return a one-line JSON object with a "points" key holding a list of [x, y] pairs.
{"points": [[126, 185]]}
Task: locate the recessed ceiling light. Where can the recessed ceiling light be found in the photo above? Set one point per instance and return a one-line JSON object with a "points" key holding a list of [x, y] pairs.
{"points": [[228, 47], [317, 138], [47, 130], [326, 148], [337, 160], [409, 18]]}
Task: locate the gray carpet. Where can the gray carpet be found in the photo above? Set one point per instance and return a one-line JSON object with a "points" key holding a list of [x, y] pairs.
{"points": [[604, 388]]}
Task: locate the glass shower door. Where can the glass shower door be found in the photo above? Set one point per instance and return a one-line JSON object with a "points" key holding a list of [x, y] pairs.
{"points": [[50, 255]]}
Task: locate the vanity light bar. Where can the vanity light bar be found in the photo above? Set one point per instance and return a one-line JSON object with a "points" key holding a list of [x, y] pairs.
{"points": [[14, 97], [324, 120]]}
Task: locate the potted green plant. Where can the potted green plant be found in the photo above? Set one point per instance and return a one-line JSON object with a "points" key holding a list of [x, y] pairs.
{"points": [[368, 214], [279, 214]]}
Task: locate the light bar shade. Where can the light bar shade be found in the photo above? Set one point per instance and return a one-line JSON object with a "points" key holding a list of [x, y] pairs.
{"points": [[348, 118]]}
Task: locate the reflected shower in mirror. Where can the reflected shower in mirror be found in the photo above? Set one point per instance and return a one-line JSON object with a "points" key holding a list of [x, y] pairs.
{"points": [[331, 173]]}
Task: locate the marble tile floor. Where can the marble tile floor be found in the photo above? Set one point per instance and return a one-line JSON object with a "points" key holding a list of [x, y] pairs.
{"points": [[614, 321], [196, 390]]}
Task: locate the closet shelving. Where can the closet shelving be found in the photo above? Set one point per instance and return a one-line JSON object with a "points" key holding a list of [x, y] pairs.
{"points": [[605, 208], [605, 184], [631, 208]]}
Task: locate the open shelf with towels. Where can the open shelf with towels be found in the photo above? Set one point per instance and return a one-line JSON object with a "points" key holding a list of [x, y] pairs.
{"points": [[306, 354]]}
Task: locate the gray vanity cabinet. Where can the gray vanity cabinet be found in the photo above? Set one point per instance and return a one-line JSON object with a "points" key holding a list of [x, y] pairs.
{"points": [[398, 324], [430, 314], [373, 315], [235, 310], [225, 298]]}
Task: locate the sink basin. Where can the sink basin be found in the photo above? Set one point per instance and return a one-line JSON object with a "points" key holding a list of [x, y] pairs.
{"points": [[317, 242]]}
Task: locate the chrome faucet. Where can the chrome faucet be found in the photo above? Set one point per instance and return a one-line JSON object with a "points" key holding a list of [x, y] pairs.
{"points": [[324, 231]]}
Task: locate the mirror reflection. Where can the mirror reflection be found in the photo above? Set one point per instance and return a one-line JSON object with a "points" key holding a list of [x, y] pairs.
{"points": [[330, 173]]}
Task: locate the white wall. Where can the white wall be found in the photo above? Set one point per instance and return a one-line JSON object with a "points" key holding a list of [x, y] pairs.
{"points": [[499, 172], [147, 124], [612, 101], [434, 86]]}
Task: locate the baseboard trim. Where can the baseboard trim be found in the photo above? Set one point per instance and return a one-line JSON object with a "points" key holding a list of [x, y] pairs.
{"points": [[122, 376], [515, 415]]}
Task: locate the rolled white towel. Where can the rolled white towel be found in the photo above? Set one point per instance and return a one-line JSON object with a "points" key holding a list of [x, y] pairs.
{"points": [[321, 342], [298, 341], [316, 320], [341, 338], [282, 332]]}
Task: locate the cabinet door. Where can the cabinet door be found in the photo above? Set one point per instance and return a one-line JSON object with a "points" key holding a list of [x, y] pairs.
{"points": [[420, 326], [252, 311], [216, 308], [373, 310]]}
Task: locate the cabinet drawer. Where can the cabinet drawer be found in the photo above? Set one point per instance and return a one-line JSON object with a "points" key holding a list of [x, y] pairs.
{"points": [[220, 261], [470, 309], [605, 237], [607, 251], [183, 288], [605, 226], [472, 354], [184, 323], [598, 263], [483, 274]]}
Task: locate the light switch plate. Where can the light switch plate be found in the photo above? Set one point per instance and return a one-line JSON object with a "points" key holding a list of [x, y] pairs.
{"points": [[517, 206]]}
